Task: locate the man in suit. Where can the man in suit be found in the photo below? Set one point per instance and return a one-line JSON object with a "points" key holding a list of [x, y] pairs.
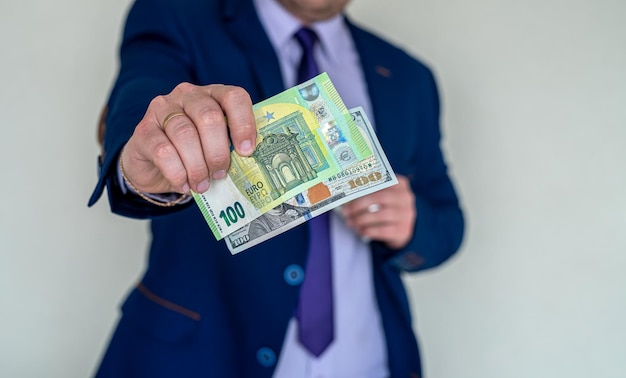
{"points": [[186, 67]]}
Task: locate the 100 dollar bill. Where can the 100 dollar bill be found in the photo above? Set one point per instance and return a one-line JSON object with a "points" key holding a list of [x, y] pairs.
{"points": [[304, 136], [364, 177]]}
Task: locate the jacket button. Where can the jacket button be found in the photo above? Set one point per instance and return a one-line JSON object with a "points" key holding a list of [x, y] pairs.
{"points": [[293, 275], [266, 357]]}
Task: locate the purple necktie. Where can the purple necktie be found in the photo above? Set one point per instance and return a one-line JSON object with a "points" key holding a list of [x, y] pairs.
{"points": [[315, 309]]}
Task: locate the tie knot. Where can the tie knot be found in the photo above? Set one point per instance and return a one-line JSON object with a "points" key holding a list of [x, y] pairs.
{"points": [[307, 38]]}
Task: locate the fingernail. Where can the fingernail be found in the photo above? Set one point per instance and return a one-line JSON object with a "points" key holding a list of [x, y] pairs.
{"points": [[219, 174], [203, 186], [186, 188], [245, 146]]}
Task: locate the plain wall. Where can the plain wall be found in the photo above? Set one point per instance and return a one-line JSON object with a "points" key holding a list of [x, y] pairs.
{"points": [[534, 121]]}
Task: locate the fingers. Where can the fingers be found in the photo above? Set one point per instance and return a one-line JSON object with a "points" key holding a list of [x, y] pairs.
{"points": [[207, 109], [152, 163], [228, 117], [187, 138], [368, 214], [237, 105], [388, 215], [172, 143]]}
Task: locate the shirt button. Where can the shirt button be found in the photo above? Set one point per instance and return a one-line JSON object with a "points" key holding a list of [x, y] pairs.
{"points": [[293, 275], [266, 357]]}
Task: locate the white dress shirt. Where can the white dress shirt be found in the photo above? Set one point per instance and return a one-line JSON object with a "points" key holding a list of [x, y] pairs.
{"points": [[358, 348]]}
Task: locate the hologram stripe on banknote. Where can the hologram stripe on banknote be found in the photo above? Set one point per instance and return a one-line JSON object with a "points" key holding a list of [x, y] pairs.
{"points": [[364, 177], [304, 136]]}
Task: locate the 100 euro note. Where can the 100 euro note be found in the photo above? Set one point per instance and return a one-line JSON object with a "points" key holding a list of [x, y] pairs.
{"points": [[304, 136], [364, 177]]}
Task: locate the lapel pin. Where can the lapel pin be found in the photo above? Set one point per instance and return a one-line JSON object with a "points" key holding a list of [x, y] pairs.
{"points": [[383, 71]]}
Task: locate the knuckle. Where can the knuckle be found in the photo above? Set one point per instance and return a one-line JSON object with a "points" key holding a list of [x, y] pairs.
{"points": [[158, 102], [236, 95], [244, 128], [213, 87], [177, 178], [182, 129], [197, 173], [184, 87], [142, 130], [211, 117], [163, 154], [218, 159], [163, 151]]}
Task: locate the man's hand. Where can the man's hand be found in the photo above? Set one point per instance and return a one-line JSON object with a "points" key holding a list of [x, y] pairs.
{"points": [[183, 139], [387, 216]]}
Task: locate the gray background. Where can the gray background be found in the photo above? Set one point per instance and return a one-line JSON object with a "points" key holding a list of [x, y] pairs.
{"points": [[534, 117]]}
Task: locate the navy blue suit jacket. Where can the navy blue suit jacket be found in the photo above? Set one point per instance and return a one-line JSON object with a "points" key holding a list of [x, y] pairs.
{"points": [[200, 312]]}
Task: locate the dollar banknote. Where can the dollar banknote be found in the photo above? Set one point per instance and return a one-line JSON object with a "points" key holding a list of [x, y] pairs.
{"points": [[305, 135], [363, 177]]}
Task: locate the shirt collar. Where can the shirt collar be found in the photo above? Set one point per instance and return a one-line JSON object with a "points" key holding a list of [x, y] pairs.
{"points": [[282, 25]]}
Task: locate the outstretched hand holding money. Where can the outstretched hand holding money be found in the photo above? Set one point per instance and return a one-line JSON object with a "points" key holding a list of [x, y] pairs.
{"points": [[183, 139]]}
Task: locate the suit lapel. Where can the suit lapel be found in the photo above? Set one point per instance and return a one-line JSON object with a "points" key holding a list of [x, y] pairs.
{"points": [[246, 30]]}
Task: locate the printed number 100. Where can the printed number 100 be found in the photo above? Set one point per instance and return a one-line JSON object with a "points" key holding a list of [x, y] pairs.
{"points": [[364, 180], [232, 214]]}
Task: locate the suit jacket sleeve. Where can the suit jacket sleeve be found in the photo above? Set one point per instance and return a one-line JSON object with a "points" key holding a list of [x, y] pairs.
{"points": [[412, 114], [440, 224], [154, 58]]}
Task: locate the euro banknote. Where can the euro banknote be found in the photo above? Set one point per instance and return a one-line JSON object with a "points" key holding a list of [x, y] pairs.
{"points": [[364, 177], [305, 135]]}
